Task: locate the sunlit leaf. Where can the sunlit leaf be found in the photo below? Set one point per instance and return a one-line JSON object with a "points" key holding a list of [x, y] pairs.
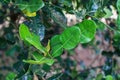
{"points": [[24, 31], [109, 77], [70, 37], [88, 30], [31, 38], [56, 46], [35, 41]]}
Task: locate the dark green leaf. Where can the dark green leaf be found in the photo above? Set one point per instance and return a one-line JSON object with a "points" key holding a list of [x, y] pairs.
{"points": [[58, 16], [99, 76], [12, 50]]}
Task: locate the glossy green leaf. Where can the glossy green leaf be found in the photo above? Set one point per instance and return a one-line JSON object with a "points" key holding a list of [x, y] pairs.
{"points": [[88, 30], [30, 5], [35, 41], [70, 37], [56, 46], [31, 38], [24, 31]]}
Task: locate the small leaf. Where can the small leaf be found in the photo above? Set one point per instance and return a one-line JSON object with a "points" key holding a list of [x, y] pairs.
{"points": [[39, 59], [29, 14], [10, 76], [56, 46], [99, 13], [108, 13], [36, 26], [88, 30], [38, 56], [70, 37], [31, 38], [109, 77], [35, 41], [24, 31], [48, 46], [99, 76]]}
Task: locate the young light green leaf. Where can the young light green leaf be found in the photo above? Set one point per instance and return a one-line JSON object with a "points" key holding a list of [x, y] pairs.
{"points": [[39, 59], [109, 77], [56, 46], [70, 37], [88, 30], [24, 31], [31, 38]]}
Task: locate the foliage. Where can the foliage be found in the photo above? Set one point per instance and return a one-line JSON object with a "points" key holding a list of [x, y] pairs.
{"points": [[38, 53]]}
